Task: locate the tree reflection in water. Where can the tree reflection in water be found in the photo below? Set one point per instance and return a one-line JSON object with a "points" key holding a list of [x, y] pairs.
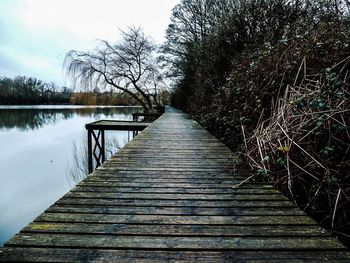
{"points": [[34, 118], [24, 119], [78, 167]]}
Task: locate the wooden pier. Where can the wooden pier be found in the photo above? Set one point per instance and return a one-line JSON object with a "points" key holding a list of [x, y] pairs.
{"points": [[169, 195]]}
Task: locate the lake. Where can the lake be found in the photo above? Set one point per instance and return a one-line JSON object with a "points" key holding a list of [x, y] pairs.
{"points": [[43, 155]]}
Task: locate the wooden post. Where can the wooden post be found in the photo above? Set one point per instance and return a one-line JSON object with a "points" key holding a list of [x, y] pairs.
{"points": [[103, 146], [90, 151]]}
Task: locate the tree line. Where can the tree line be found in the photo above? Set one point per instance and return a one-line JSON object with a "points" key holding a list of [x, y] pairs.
{"points": [[31, 91], [24, 90]]}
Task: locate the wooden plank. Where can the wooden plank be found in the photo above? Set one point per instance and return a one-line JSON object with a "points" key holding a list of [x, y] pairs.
{"points": [[166, 169], [154, 180], [172, 219], [175, 230], [156, 202], [95, 187], [114, 170], [126, 255], [158, 196], [170, 242], [124, 155], [159, 175], [175, 185], [149, 210], [117, 125], [216, 178]]}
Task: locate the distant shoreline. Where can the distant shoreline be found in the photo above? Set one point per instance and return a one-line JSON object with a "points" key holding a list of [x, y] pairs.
{"points": [[63, 106]]}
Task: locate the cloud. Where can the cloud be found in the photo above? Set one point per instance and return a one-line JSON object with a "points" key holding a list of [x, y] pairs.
{"points": [[35, 35], [92, 19], [8, 66]]}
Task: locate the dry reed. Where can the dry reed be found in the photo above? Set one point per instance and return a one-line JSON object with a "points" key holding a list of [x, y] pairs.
{"points": [[303, 149]]}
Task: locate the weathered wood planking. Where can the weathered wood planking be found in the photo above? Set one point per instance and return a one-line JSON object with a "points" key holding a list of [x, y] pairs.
{"points": [[168, 196]]}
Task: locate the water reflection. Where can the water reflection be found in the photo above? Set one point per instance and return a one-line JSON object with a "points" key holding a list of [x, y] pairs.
{"points": [[78, 167], [37, 150], [34, 118]]}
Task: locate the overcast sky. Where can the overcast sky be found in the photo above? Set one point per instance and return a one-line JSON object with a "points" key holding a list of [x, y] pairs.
{"points": [[35, 35]]}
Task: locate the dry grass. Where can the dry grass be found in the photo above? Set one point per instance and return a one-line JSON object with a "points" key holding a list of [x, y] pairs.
{"points": [[304, 147]]}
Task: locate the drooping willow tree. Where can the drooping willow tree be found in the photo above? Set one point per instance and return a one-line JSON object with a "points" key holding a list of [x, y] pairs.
{"points": [[128, 66]]}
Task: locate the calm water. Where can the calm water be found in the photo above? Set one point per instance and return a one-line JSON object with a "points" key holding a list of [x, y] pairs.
{"points": [[38, 146]]}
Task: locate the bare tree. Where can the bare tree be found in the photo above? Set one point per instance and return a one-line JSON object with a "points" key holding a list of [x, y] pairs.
{"points": [[157, 86], [125, 65], [190, 23]]}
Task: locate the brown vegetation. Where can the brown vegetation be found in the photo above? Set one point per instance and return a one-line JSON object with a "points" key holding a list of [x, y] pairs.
{"points": [[304, 148]]}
